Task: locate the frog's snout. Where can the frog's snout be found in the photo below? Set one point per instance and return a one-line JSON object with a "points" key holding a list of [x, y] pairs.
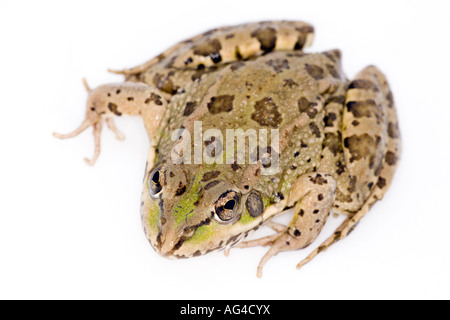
{"points": [[170, 241]]}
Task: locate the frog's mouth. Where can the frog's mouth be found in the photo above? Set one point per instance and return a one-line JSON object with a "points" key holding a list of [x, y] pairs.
{"points": [[170, 241]]}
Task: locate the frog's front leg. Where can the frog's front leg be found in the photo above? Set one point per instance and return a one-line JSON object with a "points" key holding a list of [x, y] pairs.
{"points": [[312, 197], [117, 99]]}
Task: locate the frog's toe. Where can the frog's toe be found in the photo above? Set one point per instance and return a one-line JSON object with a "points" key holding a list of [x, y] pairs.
{"points": [[112, 126], [86, 124], [97, 133]]}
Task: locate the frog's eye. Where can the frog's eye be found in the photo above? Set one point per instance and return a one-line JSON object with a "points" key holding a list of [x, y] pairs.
{"points": [[154, 183], [227, 206]]}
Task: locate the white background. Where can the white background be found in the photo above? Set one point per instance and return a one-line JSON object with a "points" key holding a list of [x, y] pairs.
{"points": [[71, 231]]}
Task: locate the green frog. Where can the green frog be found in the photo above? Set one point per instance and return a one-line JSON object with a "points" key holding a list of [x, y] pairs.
{"points": [[336, 147]]}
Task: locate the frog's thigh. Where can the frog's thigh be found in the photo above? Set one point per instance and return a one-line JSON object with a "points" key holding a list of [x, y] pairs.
{"points": [[240, 42], [312, 197], [365, 129], [371, 75]]}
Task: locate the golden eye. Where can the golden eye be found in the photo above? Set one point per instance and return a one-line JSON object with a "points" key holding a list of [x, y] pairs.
{"points": [[227, 206], [154, 183]]}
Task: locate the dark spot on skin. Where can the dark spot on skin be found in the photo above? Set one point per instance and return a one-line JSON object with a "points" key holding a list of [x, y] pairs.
{"points": [[238, 54], [254, 204], [216, 57], [188, 60], [315, 71], [267, 38], [309, 107], [190, 107], [370, 185], [297, 233], [335, 99], [237, 65], [337, 235], [355, 123], [280, 196], [329, 118], [393, 130], [117, 91], [210, 175], [197, 253], [320, 197], [332, 70], [303, 145], [130, 99], [314, 129], [293, 167], [114, 109], [209, 48], [155, 98], [361, 146], [366, 108], [318, 220], [229, 36], [246, 187], [316, 211], [288, 243], [171, 174], [301, 213], [181, 189], [318, 179], [296, 154], [301, 40], [201, 66], [363, 84], [109, 94], [164, 83], [290, 83], [266, 113], [390, 99], [321, 248], [92, 109], [235, 166], [278, 65], [223, 103], [381, 182], [391, 158], [340, 167]]}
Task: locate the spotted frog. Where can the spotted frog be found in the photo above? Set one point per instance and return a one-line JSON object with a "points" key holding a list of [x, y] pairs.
{"points": [[338, 140]]}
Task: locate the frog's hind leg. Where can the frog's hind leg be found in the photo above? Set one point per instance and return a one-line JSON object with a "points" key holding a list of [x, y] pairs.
{"points": [[114, 100], [369, 85], [228, 44]]}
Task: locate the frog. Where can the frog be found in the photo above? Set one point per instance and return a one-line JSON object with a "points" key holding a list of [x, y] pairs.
{"points": [[337, 143]]}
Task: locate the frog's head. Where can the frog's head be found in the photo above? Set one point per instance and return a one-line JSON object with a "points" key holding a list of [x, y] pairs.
{"points": [[188, 210]]}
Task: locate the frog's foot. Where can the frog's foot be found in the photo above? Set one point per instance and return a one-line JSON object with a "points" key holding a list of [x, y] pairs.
{"points": [[312, 196], [97, 126], [115, 100], [93, 119]]}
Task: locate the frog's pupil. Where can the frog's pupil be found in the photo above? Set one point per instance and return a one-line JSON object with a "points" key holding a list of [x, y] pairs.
{"points": [[155, 177], [230, 205], [155, 183]]}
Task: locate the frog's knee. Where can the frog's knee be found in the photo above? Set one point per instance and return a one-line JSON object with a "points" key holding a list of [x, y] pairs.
{"points": [[121, 99]]}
